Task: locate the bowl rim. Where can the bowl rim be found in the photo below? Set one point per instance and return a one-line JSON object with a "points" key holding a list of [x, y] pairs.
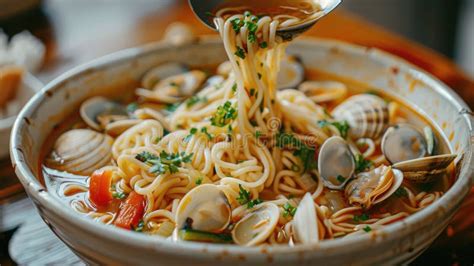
{"points": [[450, 200]]}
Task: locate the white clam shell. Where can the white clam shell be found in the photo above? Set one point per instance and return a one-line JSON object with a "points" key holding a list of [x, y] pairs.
{"points": [[174, 88], [94, 107], [256, 226], [366, 114], [403, 142], [208, 208], [373, 187], [291, 73], [156, 74], [305, 221], [335, 159], [81, 152], [423, 170]]}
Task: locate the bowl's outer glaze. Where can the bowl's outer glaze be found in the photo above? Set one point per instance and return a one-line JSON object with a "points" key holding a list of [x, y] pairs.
{"points": [[395, 244]]}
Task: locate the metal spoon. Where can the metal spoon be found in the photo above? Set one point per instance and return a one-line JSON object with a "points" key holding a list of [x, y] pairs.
{"points": [[202, 9]]}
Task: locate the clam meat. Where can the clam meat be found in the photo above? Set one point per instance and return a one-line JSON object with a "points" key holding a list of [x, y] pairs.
{"points": [[204, 208], [305, 222], [255, 227], [375, 186]]}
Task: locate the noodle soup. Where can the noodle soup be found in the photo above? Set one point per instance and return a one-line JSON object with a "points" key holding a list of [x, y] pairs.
{"points": [[260, 150]]}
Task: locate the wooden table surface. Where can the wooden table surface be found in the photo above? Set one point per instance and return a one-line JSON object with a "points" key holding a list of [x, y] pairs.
{"points": [[78, 31]]}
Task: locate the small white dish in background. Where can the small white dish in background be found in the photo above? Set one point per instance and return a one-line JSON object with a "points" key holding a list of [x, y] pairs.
{"points": [[28, 87]]}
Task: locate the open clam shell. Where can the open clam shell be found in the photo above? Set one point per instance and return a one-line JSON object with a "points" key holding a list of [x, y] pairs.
{"points": [[305, 221], [204, 208], [403, 142], [174, 88], [323, 91], [161, 72], [426, 169], [97, 112], [80, 152], [335, 162], [366, 114], [375, 186], [256, 226], [291, 73]]}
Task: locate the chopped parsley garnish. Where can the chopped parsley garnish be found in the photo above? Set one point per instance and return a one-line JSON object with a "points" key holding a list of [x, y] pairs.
{"points": [[304, 152], [401, 192], [340, 178], [174, 84], [139, 227], [237, 24], [119, 195], [244, 198], [259, 76], [263, 45], [367, 228], [204, 130], [234, 87], [361, 218], [157, 140], [131, 108], [194, 100], [258, 134], [172, 107], [199, 181], [252, 92], [343, 127], [289, 210], [252, 31], [361, 163], [166, 162], [240, 52], [224, 115], [191, 133], [295, 168]]}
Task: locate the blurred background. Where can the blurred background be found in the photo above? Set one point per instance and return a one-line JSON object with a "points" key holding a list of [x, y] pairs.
{"points": [[436, 35]]}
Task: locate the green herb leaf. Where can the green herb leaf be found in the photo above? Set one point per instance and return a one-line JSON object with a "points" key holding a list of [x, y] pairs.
{"points": [[166, 162], [119, 195], [305, 153], [263, 45], [199, 181], [204, 130], [172, 107], [342, 126], [259, 76], [224, 115], [244, 196], [240, 52], [367, 229], [252, 92], [361, 218], [194, 100], [139, 227], [234, 87], [361, 163], [401, 192], [341, 179], [258, 134], [237, 24], [191, 133], [289, 210]]}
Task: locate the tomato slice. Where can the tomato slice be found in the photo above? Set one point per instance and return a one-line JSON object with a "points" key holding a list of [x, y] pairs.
{"points": [[99, 188], [131, 211]]}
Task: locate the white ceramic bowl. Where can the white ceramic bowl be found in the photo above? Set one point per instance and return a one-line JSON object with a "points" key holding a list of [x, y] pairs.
{"points": [[397, 243], [28, 87]]}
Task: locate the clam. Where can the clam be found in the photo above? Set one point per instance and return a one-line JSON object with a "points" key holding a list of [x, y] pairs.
{"points": [[405, 148], [174, 88], [256, 226], [156, 74], [426, 169], [97, 112], [375, 186], [204, 208], [366, 114], [80, 152], [335, 162], [305, 221], [323, 91], [403, 142], [291, 73]]}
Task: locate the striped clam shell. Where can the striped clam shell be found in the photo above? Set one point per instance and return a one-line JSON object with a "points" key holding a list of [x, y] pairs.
{"points": [[366, 114], [80, 152]]}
